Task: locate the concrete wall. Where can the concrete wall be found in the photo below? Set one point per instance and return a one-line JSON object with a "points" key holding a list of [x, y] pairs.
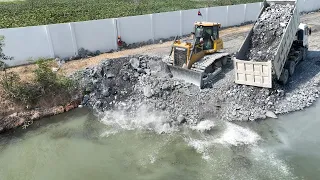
{"points": [[236, 15], [135, 29], [166, 24], [252, 11], [26, 43], [218, 14], [95, 35], [309, 5], [64, 40]]}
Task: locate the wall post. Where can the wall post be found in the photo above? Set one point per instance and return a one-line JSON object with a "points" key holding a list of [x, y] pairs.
{"points": [[152, 27], [116, 30], [181, 23], [227, 20], [50, 45], [74, 40]]}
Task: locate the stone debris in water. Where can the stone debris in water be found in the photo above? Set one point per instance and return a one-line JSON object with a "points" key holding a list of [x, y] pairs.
{"points": [[268, 31], [271, 114]]}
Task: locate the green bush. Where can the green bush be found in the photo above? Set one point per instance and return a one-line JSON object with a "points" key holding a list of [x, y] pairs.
{"points": [[27, 93], [46, 83], [50, 81], [46, 78], [39, 12]]}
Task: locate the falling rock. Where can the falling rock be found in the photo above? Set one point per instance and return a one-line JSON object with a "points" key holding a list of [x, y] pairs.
{"points": [[162, 106], [85, 99], [126, 78], [181, 119], [271, 114], [140, 70], [98, 104], [35, 116], [147, 91], [136, 75], [110, 75], [148, 71], [165, 86], [107, 62], [106, 93], [135, 63]]}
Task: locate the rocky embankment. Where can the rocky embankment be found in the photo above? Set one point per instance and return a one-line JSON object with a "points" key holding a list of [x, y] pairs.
{"points": [[127, 84]]}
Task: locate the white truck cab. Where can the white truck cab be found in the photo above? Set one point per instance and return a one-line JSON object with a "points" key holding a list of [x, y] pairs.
{"points": [[303, 34]]}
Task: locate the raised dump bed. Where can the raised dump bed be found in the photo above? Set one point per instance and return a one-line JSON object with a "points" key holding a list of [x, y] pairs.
{"points": [[261, 72]]}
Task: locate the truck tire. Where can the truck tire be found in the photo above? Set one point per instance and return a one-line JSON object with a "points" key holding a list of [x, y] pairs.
{"points": [[284, 77], [224, 61], [291, 67]]}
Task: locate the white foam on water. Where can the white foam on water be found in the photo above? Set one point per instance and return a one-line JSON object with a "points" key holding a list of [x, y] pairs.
{"points": [[204, 126], [271, 161], [143, 119], [231, 135], [237, 135], [109, 133], [201, 146]]}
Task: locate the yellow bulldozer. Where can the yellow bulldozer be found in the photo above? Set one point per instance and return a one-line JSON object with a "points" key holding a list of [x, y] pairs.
{"points": [[200, 59]]}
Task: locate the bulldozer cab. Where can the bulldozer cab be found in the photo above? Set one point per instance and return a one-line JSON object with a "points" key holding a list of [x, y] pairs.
{"points": [[208, 32]]}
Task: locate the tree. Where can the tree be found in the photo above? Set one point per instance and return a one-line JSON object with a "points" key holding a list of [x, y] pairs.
{"points": [[7, 80], [3, 57]]}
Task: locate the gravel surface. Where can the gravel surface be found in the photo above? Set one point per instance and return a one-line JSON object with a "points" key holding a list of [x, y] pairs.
{"points": [[143, 81]]}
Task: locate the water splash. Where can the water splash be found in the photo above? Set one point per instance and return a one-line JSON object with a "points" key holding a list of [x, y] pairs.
{"points": [[204, 126], [143, 120], [227, 134], [236, 135]]}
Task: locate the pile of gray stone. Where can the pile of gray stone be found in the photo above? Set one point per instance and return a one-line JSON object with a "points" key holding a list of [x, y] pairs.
{"points": [[111, 81], [268, 31], [126, 84]]}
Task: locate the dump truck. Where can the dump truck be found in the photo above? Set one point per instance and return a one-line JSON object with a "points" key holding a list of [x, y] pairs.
{"points": [[291, 50], [200, 59]]}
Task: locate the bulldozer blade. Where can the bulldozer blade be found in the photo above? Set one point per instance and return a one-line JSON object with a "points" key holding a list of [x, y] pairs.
{"points": [[197, 78], [187, 75]]}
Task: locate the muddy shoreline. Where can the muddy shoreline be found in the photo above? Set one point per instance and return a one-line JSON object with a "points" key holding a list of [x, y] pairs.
{"points": [[25, 119]]}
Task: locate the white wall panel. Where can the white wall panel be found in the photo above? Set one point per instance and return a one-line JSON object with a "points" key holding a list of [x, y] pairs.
{"points": [[25, 43], [218, 14], [95, 35], [61, 38], [236, 15], [252, 12], [311, 5], [166, 24], [135, 28]]}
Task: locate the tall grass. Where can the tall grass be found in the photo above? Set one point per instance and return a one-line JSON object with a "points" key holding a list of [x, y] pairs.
{"points": [[39, 12]]}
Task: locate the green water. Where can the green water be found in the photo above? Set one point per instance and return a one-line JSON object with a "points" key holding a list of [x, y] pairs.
{"points": [[75, 146]]}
